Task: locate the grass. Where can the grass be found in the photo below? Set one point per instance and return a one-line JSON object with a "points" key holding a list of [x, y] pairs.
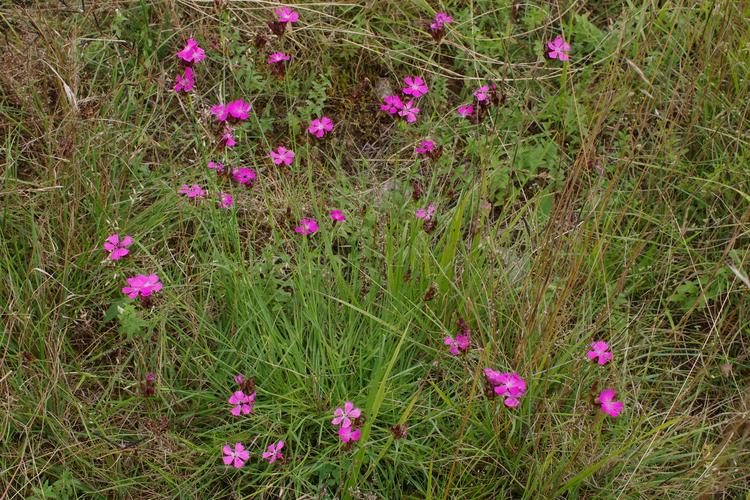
{"points": [[608, 198]]}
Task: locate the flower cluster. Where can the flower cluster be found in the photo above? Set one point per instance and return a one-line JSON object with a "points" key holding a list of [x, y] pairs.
{"points": [[437, 26], [347, 419], [189, 55], [601, 353], [461, 341], [393, 105], [508, 385]]}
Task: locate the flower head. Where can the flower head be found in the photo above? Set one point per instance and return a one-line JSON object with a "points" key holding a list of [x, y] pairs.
{"points": [[185, 82], [415, 86], [392, 104], [143, 285], [274, 452], [237, 109], [307, 227], [337, 216], [117, 248], [343, 416], [465, 110], [239, 378], [441, 19], [508, 385], [609, 406], [242, 403], [244, 175], [320, 126], [282, 155], [192, 52], [409, 112], [192, 191], [214, 165], [425, 147], [226, 200], [227, 138], [482, 94], [493, 377], [558, 49], [237, 456], [286, 15], [457, 344], [348, 435], [599, 351], [425, 215], [278, 57]]}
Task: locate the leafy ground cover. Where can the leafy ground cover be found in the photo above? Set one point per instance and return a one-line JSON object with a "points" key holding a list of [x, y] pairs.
{"points": [[411, 301]]}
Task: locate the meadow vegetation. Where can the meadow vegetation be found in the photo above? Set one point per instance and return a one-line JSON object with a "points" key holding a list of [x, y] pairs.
{"points": [[601, 198]]}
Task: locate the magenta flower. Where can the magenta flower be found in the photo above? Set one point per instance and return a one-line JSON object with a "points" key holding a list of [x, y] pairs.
{"points": [[191, 53], [244, 175], [482, 94], [457, 344], [213, 165], [142, 285], [237, 456], [441, 19], [425, 147], [343, 416], [306, 227], [150, 377], [227, 138], [278, 57], [558, 49], [220, 112], [242, 403], [599, 350], [287, 15], [425, 215], [117, 248], [392, 104], [610, 407], [337, 216], [493, 377], [465, 110], [320, 126], [226, 200], [415, 86], [512, 387], [274, 452], [282, 155], [192, 191], [185, 82], [409, 112], [348, 435], [238, 109], [239, 378]]}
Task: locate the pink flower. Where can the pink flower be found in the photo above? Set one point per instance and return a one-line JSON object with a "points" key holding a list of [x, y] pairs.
{"points": [[392, 104], [508, 385], [117, 248], [441, 18], [238, 109], [142, 285], [274, 452], [236, 457], [185, 82], [559, 49], [343, 416], [425, 215], [226, 200], [306, 227], [465, 110], [241, 403], [227, 139], [415, 86], [278, 57], [320, 126], [192, 191], [348, 435], [244, 175], [409, 112], [282, 155], [493, 377], [337, 216], [457, 344], [482, 94], [287, 15], [425, 147], [213, 165], [191, 53], [610, 407], [599, 350], [239, 378]]}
